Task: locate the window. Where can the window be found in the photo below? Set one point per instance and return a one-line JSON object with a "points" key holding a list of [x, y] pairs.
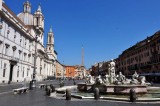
{"points": [[20, 39], [44, 65], [37, 21], [15, 35], [40, 70], [25, 56], [41, 61], [32, 59], [23, 72], [29, 47], [18, 72], [20, 52], [1, 42], [25, 42], [14, 38], [4, 70], [8, 31], [29, 55], [50, 39], [27, 72], [14, 48], [6, 49]]}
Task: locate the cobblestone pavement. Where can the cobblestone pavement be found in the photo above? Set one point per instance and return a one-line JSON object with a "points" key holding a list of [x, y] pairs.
{"points": [[4, 88], [37, 97]]}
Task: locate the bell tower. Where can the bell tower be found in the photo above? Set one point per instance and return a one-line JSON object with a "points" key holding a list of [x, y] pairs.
{"points": [[50, 41], [39, 18], [39, 22]]}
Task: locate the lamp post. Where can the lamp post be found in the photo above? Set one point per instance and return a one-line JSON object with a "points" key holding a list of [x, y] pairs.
{"points": [[33, 82], [63, 70]]}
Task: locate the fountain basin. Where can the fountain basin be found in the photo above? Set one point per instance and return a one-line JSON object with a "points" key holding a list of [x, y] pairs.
{"points": [[84, 87], [125, 89], [113, 89]]}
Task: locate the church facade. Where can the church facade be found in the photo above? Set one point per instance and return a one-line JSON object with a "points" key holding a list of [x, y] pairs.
{"points": [[21, 41]]}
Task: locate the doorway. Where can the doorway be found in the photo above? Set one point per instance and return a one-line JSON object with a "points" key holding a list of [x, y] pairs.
{"points": [[11, 72]]}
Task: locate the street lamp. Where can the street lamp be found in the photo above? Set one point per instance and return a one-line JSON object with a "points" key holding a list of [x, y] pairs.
{"points": [[33, 82], [63, 70]]}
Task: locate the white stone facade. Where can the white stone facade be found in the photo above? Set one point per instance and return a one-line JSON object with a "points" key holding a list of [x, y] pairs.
{"points": [[17, 47]]}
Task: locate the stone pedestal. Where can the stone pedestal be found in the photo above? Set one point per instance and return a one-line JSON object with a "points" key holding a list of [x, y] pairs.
{"points": [[84, 87]]}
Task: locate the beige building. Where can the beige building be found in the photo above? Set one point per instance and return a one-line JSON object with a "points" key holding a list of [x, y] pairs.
{"points": [[100, 68], [80, 71], [60, 70]]}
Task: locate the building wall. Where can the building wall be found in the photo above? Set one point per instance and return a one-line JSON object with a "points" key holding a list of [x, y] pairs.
{"points": [[80, 71], [70, 71], [143, 57], [100, 68], [77, 72], [17, 49], [14, 46], [60, 70]]}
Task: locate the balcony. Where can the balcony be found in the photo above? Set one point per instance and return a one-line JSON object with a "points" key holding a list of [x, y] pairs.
{"points": [[13, 59]]}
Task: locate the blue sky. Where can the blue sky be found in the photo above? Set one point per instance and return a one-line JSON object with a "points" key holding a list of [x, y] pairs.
{"points": [[104, 27]]}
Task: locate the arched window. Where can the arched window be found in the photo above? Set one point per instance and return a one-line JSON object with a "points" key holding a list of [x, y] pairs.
{"points": [[37, 21], [50, 41]]}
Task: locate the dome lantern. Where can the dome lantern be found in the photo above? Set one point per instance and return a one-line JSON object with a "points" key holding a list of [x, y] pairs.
{"points": [[27, 7]]}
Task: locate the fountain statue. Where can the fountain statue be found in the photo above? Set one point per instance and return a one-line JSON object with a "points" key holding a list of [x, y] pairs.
{"points": [[136, 79], [98, 80], [111, 70], [106, 79], [120, 79], [90, 79]]}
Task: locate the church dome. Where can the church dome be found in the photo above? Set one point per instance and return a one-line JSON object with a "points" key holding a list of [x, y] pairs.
{"points": [[26, 17]]}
